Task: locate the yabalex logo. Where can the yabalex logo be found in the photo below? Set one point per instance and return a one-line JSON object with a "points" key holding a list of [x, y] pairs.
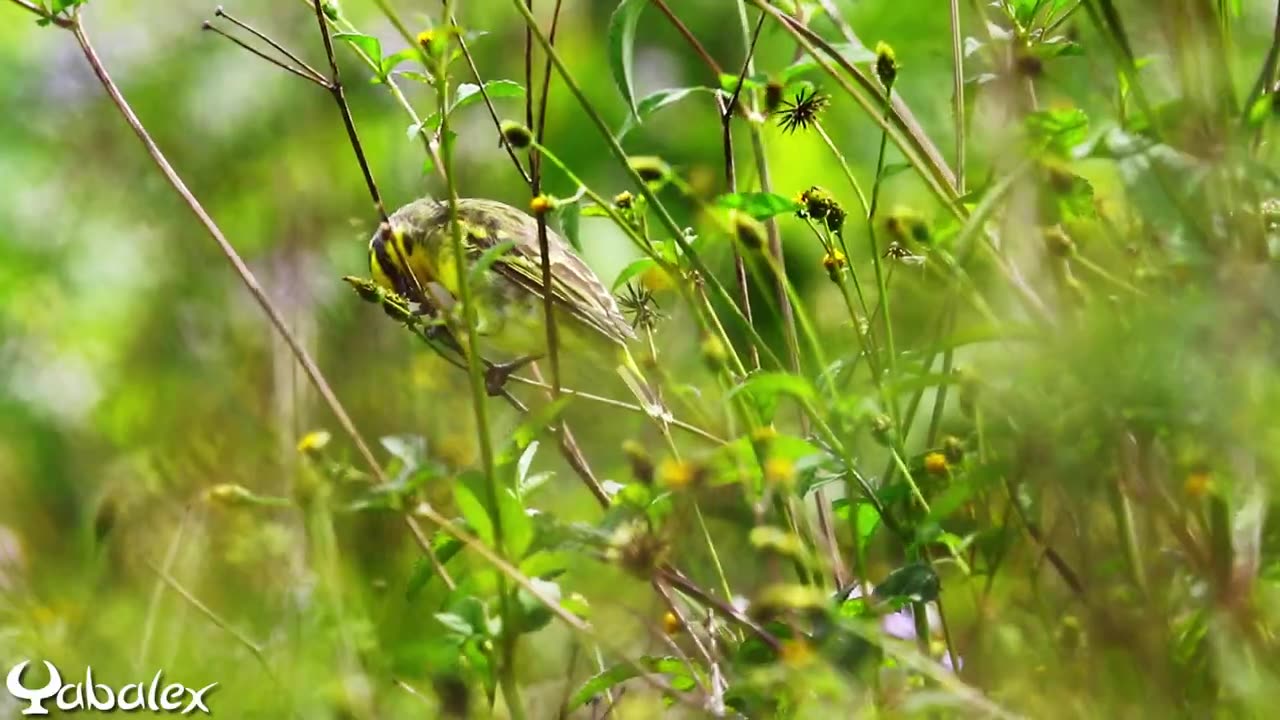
{"points": [[88, 695]]}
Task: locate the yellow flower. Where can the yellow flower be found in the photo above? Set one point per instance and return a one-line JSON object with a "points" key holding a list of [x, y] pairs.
{"points": [[678, 474], [779, 471], [1198, 484], [542, 204], [935, 463], [796, 653], [671, 624], [313, 442]]}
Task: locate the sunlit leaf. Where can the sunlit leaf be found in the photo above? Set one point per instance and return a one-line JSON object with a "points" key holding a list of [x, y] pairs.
{"points": [[622, 40], [654, 102], [759, 205], [632, 270], [473, 510], [916, 582], [367, 44], [673, 667]]}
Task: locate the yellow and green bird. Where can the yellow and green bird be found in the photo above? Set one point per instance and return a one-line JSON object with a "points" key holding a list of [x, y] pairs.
{"points": [[412, 254]]}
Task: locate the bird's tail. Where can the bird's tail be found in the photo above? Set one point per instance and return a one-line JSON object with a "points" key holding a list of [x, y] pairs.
{"points": [[647, 394]]}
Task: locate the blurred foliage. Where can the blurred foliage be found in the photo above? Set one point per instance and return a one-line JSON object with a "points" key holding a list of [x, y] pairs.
{"points": [[1083, 485]]}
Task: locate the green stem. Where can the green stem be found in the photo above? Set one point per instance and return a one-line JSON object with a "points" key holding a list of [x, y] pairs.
{"points": [[676, 233]]}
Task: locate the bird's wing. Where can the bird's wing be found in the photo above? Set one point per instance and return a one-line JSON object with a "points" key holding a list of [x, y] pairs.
{"points": [[573, 284]]}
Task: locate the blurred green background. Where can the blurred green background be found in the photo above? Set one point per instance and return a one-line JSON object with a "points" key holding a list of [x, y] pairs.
{"points": [[136, 372]]}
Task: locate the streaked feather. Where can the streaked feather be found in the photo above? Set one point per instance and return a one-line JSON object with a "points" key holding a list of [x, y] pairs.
{"points": [[421, 245]]}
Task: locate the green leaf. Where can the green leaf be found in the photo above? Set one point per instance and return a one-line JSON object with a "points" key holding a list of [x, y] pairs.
{"points": [[1262, 109], [729, 82], [367, 44], [892, 169], [408, 449], [765, 387], [527, 432], [446, 547], [476, 514], [622, 41], [671, 666], [654, 102], [868, 518], [759, 205], [916, 582], [854, 53], [389, 63], [517, 527], [469, 93], [455, 624], [571, 223], [1058, 131], [58, 6], [534, 615], [633, 269], [486, 260]]}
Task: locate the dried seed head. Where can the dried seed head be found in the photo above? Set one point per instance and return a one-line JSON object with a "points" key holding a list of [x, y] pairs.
{"points": [[818, 204], [516, 134], [637, 549], [802, 111]]}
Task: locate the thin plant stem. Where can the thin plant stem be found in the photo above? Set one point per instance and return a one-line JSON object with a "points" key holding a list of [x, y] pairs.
{"points": [[313, 372], [668, 222], [906, 134], [253, 647], [315, 80], [957, 94], [242, 270], [475, 375], [340, 97], [307, 69]]}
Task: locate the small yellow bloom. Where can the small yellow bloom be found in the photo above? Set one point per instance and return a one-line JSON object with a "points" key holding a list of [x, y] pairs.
{"points": [[763, 434], [677, 474], [313, 442], [1198, 484], [542, 204], [796, 653], [655, 279], [780, 472], [935, 463], [671, 624], [229, 494], [834, 261]]}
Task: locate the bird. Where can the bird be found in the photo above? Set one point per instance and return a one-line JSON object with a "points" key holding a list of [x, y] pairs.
{"points": [[412, 254]]}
